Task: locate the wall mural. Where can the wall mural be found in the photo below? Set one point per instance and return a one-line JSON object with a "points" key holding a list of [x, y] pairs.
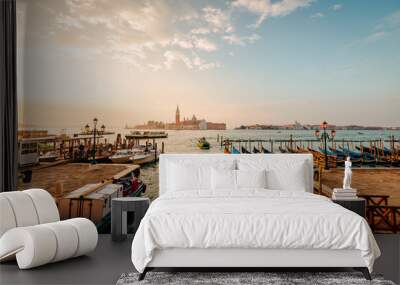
{"points": [[107, 86]]}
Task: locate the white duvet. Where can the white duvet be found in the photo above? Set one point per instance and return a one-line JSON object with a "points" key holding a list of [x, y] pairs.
{"points": [[252, 218]]}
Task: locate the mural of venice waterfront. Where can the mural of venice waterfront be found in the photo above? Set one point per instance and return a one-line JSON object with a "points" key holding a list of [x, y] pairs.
{"points": [[203, 77]]}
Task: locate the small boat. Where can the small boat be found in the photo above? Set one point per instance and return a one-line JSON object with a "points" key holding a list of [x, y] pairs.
{"points": [[49, 156], [302, 150], [291, 150], [244, 150], [282, 150], [203, 144], [142, 158], [337, 151], [351, 153], [235, 150], [255, 150], [264, 150], [328, 151], [122, 156], [226, 150]]}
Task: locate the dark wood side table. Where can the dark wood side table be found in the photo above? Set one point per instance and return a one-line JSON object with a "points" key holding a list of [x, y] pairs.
{"points": [[357, 205]]}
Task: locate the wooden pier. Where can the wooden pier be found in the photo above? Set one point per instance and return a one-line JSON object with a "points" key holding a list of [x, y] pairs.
{"points": [[381, 152], [379, 187]]}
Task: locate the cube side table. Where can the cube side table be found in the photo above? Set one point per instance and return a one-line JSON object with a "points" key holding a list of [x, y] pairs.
{"points": [[119, 208], [357, 205]]}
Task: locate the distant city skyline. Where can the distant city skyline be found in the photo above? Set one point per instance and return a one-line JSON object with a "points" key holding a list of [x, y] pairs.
{"points": [[242, 62]]}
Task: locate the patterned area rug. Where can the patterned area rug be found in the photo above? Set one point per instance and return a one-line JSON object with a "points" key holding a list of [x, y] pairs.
{"points": [[231, 278]]}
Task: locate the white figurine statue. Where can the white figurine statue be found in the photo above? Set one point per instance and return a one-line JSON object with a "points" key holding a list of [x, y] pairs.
{"points": [[347, 174]]}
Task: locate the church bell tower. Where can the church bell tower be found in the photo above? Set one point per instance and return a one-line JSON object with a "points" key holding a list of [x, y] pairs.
{"points": [[177, 115]]}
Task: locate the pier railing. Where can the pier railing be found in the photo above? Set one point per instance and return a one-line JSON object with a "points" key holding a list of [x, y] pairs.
{"points": [[375, 200], [384, 219], [381, 217]]}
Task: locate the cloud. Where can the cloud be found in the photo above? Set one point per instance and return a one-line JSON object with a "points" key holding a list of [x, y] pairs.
{"points": [[234, 39], [195, 62], [67, 22], [173, 56], [218, 20], [154, 67], [259, 7], [266, 8], [204, 44], [192, 42], [140, 33], [390, 22], [336, 7], [210, 65], [317, 16], [200, 31], [374, 37], [387, 26], [393, 19]]}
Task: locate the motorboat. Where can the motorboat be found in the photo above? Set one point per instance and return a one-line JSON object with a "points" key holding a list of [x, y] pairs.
{"points": [[122, 156], [49, 156]]}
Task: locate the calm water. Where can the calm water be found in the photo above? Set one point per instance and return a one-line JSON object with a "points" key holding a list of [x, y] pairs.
{"points": [[185, 141]]}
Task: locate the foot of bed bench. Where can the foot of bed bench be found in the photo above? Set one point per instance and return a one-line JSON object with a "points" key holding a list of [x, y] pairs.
{"points": [[365, 272], [142, 275]]}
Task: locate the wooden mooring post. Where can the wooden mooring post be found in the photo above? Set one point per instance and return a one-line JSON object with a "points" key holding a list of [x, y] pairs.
{"points": [[155, 151]]}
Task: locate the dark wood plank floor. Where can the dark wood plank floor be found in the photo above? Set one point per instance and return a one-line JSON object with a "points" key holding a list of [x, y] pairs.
{"points": [[103, 266], [111, 259]]}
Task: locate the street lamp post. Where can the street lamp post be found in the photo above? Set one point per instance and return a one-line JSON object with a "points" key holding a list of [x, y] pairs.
{"points": [[95, 132], [94, 140], [325, 136]]}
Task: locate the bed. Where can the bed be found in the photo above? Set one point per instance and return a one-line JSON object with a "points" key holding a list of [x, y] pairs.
{"points": [[244, 212]]}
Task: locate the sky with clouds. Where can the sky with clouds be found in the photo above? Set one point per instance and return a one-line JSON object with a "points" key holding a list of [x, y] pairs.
{"points": [[239, 62]]}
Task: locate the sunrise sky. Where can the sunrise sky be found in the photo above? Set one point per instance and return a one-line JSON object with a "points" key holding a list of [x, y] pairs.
{"points": [[239, 62]]}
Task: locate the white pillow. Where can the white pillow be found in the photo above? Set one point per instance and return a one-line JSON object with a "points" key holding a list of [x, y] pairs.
{"points": [[291, 178], [223, 179], [182, 177], [251, 178], [283, 172], [194, 175]]}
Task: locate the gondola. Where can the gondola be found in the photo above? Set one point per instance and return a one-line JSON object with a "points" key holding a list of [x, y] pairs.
{"points": [[244, 150], [282, 150], [235, 150], [291, 150], [302, 150], [355, 156], [375, 150], [351, 153], [328, 152], [395, 163], [367, 155], [340, 155], [255, 150], [264, 150], [310, 149]]}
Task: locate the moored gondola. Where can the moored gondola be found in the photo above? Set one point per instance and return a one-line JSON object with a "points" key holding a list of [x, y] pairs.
{"points": [[255, 150], [264, 150], [302, 150], [235, 150], [291, 150], [244, 150]]}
